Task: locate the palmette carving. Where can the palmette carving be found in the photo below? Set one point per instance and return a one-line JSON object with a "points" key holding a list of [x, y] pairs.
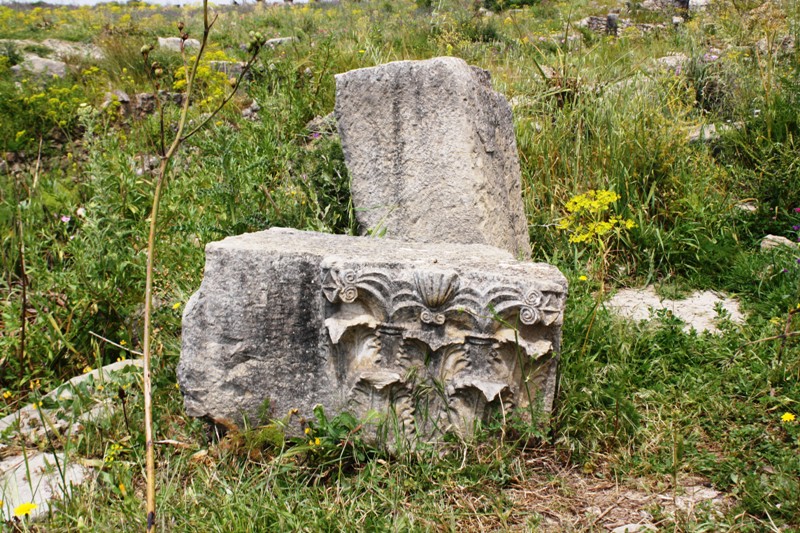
{"points": [[435, 351]]}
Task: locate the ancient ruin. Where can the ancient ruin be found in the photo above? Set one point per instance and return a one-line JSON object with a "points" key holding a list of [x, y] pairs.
{"points": [[419, 337]]}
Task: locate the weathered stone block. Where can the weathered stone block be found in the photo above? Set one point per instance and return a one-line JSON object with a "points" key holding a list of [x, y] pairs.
{"points": [[433, 337], [432, 155]]}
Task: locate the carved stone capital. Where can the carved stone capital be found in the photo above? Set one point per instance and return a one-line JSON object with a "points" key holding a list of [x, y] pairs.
{"points": [[426, 339]]}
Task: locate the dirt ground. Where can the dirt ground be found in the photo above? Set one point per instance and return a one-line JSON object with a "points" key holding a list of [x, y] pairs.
{"points": [[555, 498]]}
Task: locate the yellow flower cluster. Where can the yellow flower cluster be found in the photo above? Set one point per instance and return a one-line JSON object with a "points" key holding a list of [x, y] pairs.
{"points": [[211, 83], [56, 105], [587, 221], [112, 453], [592, 202], [312, 441]]}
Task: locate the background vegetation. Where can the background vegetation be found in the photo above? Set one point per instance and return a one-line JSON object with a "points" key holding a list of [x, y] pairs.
{"points": [[642, 401]]}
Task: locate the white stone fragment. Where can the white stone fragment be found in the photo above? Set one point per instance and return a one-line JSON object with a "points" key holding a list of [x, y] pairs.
{"points": [[698, 310]]}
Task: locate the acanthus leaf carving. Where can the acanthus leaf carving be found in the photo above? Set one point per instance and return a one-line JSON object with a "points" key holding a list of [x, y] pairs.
{"points": [[445, 351]]}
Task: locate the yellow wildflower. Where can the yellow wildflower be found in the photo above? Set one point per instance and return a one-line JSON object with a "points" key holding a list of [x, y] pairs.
{"points": [[122, 489], [308, 431], [7, 395], [24, 509], [788, 417], [176, 305], [122, 342], [87, 369], [583, 278]]}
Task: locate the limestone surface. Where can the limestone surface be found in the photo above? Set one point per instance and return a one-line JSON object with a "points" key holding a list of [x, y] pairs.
{"points": [[429, 337], [699, 310], [432, 156], [40, 66]]}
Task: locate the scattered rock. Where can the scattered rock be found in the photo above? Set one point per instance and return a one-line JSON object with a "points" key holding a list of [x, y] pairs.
{"points": [[698, 5], [278, 41], [120, 97], [749, 206], [229, 68], [666, 5], [711, 132], [175, 98], [319, 126], [662, 5], [677, 21], [782, 47], [673, 62], [44, 485], [575, 501], [613, 25], [173, 44], [251, 112], [696, 495], [598, 24], [146, 164], [144, 104], [773, 241], [64, 50], [703, 132], [67, 49], [27, 423], [634, 528], [640, 84], [41, 67], [38, 477], [698, 310]]}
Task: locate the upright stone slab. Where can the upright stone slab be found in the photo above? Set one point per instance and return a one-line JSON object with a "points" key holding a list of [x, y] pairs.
{"points": [[432, 155], [432, 337]]}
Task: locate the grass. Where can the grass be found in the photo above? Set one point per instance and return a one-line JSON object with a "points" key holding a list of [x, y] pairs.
{"points": [[641, 405]]}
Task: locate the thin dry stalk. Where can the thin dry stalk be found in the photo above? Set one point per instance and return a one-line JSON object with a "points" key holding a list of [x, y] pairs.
{"points": [[166, 155]]}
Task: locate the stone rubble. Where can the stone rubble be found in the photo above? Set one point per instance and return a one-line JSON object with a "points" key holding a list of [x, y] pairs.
{"points": [[52, 476], [173, 44], [770, 242]]}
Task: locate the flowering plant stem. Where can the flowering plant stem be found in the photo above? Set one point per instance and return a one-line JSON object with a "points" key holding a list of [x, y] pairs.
{"points": [[166, 154]]}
